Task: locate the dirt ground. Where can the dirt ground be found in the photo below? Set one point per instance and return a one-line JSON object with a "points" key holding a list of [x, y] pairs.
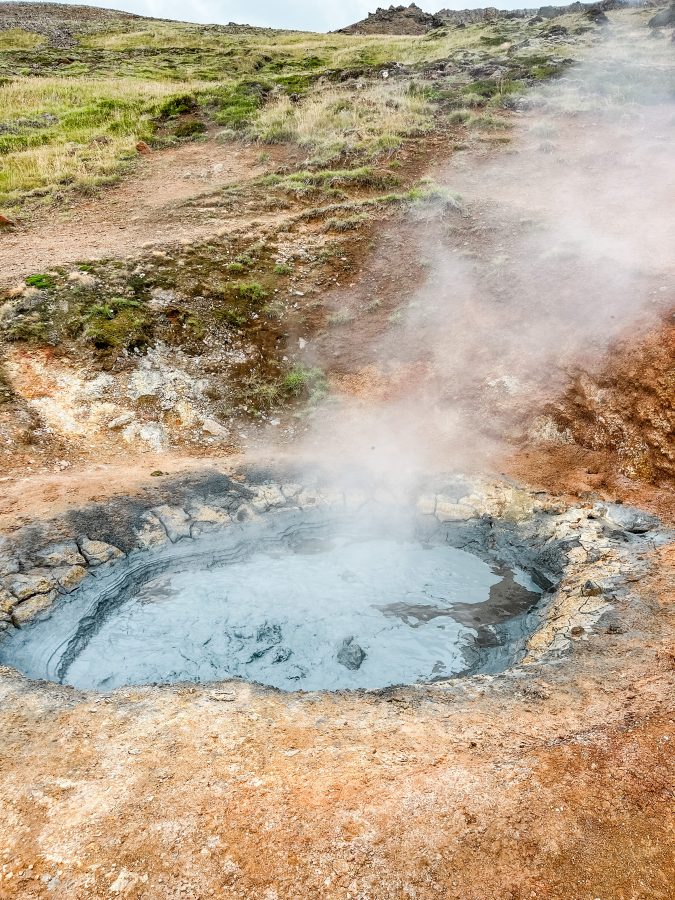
{"points": [[144, 208]]}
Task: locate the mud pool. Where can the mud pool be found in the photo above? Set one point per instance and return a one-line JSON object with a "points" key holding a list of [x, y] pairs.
{"points": [[313, 606]]}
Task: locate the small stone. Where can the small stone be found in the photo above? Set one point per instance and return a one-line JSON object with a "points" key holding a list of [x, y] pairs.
{"points": [[98, 552], [214, 428], [591, 589], [121, 421], [350, 655]]}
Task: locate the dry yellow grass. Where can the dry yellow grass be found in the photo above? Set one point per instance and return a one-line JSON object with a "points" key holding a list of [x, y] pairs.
{"points": [[334, 121], [18, 39], [92, 125]]}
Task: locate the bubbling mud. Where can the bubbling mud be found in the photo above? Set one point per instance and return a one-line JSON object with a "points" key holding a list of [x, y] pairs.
{"points": [[302, 602]]}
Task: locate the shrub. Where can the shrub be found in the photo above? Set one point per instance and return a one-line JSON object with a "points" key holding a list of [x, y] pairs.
{"points": [[303, 382], [253, 292], [189, 129]]}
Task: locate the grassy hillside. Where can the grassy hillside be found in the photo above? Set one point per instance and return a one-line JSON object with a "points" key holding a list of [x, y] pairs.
{"points": [[71, 116]]}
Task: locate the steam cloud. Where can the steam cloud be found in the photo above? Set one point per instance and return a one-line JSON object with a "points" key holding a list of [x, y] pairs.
{"points": [[564, 241]]}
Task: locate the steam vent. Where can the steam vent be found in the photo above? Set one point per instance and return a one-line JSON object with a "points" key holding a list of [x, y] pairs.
{"points": [[336, 455]]}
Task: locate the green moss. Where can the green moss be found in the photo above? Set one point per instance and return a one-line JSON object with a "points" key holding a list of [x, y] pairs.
{"points": [[43, 282], [234, 105], [177, 106], [119, 323]]}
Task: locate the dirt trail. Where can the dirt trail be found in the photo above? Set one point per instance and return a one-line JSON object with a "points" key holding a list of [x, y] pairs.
{"points": [[144, 208]]}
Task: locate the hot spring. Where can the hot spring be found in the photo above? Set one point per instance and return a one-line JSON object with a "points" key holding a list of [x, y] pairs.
{"points": [[297, 600]]}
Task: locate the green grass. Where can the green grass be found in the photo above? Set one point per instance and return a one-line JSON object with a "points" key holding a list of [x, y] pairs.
{"points": [[70, 121], [305, 383], [70, 132], [18, 39]]}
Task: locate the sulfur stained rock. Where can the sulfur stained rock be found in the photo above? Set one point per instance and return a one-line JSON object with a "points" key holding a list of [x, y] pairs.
{"points": [[448, 511], [25, 586], [152, 533], [28, 609], [98, 552], [175, 520], [66, 554], [70, 578]]}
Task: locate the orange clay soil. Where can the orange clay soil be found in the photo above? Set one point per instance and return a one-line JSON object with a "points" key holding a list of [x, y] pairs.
{"points": [[550, 782]]}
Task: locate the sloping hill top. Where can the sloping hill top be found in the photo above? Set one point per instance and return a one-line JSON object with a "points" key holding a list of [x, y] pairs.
{"points": [[396, 20]]}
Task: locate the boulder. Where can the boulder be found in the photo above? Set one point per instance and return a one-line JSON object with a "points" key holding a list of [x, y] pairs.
{"points": [[351, 655], [25, 586], [98, 552], [66, 554], [28, 609], [664, 18]]}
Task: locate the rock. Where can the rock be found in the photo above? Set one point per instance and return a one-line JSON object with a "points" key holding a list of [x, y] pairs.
{"points": [[663, 18], [7, 602], [267, 496], [152, 533], [28, 609], [66, 554], [350, 655], [175, 520], [120, 421], [591, 589], [25, 586], [214, 428], [449, 511], [98, 552], [628, 518], [9, 564], [396, 20], [155, 435], [206, 519], [70, 578]]}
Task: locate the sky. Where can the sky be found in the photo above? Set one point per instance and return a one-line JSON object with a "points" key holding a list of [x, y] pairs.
{"points": [[307, 15]]}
